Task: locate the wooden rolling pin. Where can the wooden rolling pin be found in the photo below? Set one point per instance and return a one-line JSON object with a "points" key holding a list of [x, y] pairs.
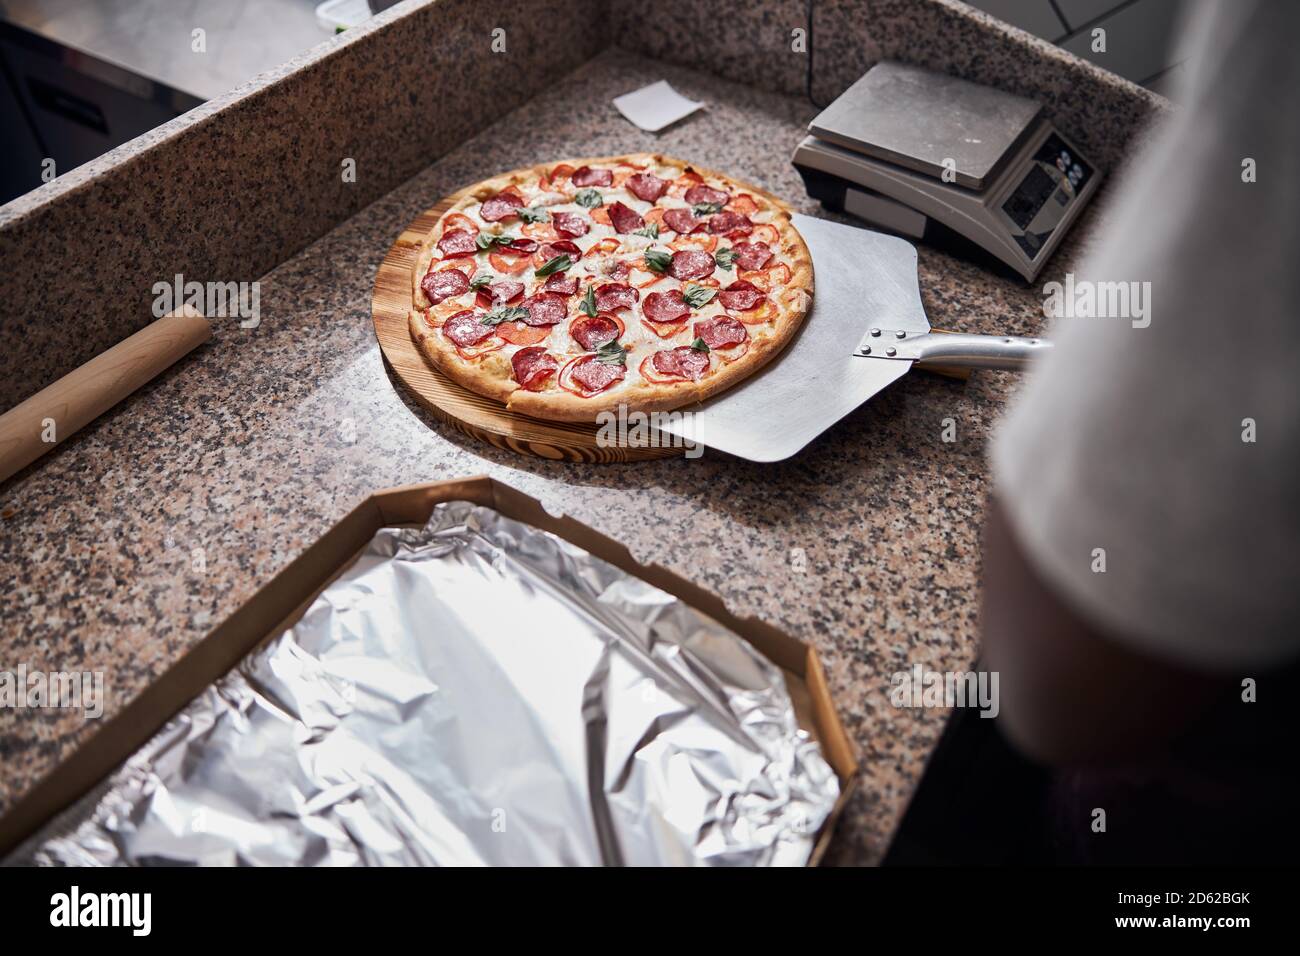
{"points": [[29, 430]]}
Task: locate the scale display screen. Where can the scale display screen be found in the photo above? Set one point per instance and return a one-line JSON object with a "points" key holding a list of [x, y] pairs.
{"points": [[1038, 203], [1034, 190]]}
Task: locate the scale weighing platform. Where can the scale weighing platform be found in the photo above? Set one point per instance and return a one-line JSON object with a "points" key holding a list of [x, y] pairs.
{"points": [[905, 148]]}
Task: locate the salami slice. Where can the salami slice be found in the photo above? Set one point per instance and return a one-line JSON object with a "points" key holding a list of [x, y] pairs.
{"points": [[545, 308], [647, 186], [562, 247], [457, 242], [445, 284], [752, 255], [706, 194], [594, 376], [561, 284], [683, 362], [569, 224], [523, 246], [666, 306], [691, 264], [587, 176], [741, 296], [501, 206], [533, 366], [506, 290], [465, 329], [591, 332], [728, 223], [623, 218], [722, 332], [615, 268], [681, 221], [615, 295]]}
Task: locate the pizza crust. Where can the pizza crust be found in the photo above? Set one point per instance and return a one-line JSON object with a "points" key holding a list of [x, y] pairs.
{"points": [[491, 374]]}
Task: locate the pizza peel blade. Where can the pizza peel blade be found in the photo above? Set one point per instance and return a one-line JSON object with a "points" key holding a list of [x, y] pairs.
{"points": [[863, 280]]}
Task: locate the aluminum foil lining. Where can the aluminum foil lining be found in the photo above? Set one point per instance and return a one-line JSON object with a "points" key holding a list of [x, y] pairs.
{"points": [[475, 691]]}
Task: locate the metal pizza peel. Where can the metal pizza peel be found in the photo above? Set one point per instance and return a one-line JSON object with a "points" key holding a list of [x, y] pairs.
{"points": [[867, 329]]}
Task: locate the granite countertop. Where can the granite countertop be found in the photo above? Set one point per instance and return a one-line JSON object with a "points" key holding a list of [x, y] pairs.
{"points": [[245, 450]]}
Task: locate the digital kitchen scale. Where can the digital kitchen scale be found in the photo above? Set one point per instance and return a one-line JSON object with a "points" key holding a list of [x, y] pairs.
{"points": [[910, 150]]}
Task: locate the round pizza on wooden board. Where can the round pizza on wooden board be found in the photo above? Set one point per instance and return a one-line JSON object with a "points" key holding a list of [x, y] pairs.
{"points": [[571, 288]]}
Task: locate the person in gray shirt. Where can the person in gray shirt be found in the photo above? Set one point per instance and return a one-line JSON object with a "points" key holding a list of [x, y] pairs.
{"points": [[1141, 575]]}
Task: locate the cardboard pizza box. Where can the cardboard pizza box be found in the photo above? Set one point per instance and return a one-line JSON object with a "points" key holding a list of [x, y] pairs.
{"points": [[280, 603]]}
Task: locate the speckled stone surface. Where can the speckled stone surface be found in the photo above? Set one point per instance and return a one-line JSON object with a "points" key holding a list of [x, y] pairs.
{"points": [[253, 446], [234, 187]]}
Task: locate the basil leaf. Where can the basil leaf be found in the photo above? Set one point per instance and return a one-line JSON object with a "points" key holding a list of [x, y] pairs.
{"points": [[534, 214], [706, 208], [479, 282], [558, 264], [588, 304], [698, 296], [725, 257], [650, 232], [611, 353], [504, 313], [588, 198], [699, 345], [485, 241], [657, 260]]}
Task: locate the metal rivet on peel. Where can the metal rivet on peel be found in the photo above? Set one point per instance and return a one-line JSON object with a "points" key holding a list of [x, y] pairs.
{"points": [[866, 350], [900, 334], [875, 331], [891, 352]]}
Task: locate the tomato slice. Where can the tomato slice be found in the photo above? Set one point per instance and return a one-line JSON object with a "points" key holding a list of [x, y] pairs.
{"points": [[603, 248], [601, 215], [521, 333], [459, 221], [733, 353], [765, 233], [696, 240], [644, 280], [511, 265], [652, 374], [465, 264], [541, 231], [768, 279], [684, 182], [743, 204], [478, 351], [779, 274], [764, 313], [664, 331], [654, 217], [443, 311]]}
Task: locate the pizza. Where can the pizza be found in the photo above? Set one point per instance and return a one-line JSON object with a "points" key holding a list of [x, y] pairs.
{"points": [[571, 288]]}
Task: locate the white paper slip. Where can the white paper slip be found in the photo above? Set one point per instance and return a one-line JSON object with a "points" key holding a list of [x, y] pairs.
{"points": [[655, 106]]}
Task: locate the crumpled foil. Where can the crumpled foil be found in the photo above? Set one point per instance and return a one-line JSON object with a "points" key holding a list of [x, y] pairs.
{"points": [[472, 692]]}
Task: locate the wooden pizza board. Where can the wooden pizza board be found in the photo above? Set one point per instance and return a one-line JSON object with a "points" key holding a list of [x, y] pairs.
{"points": [[464, 410]]}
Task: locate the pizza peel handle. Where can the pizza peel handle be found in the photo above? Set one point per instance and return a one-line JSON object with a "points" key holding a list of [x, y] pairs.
{"points": [[950, 350]]}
